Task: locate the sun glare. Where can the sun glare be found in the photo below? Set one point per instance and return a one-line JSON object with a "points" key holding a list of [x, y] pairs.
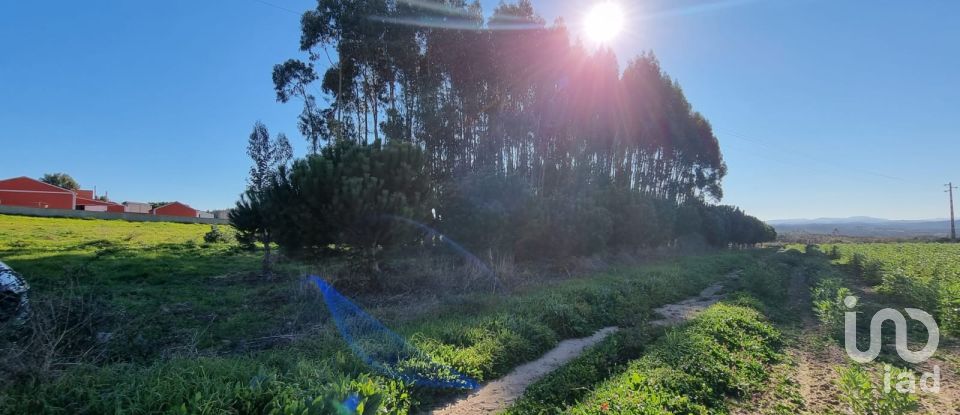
{"points": [[604, 21]]}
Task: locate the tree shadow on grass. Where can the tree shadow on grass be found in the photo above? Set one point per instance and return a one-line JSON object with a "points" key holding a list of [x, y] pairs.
{"points": [[172, 298]]}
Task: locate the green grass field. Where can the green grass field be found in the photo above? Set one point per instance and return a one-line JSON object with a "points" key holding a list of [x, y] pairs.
{"points": [[194, 328], [158, 277], [194, 319]]}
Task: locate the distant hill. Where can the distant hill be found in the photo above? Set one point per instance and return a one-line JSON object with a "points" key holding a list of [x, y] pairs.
{"points": [[864, 226]]}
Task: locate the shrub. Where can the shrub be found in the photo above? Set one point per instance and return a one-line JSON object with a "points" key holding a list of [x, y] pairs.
{"points": [[872, 272], [215, 236], [909, 289], [62, 331], [503, 213], [917, 275], [248, 219], [834, 252], [641, 221], [828, 297], [856, 264]]}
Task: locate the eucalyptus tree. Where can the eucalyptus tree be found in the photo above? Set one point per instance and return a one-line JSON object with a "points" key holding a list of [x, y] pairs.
{"points": [[508, 96]]}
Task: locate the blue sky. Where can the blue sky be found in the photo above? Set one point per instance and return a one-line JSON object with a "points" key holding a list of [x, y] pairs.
{"points": [[823, 108]]}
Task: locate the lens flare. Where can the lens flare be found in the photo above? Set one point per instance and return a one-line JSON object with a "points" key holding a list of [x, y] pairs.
{"points": [[384, 350], [603, 22]]}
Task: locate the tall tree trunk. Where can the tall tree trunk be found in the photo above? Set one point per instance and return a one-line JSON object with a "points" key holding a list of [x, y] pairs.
{"points": [[376, 119], [267, 271]]}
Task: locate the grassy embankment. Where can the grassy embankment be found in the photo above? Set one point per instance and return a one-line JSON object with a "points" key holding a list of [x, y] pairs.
{"points": [[154, 283]]}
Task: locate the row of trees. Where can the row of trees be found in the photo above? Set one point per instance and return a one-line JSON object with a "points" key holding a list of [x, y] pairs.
{"points": [[501, 134], [510, 95], [359, 199]]}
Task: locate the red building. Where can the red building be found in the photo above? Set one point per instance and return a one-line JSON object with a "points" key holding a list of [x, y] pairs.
{"points": [[176, 209], [27, 192], [84, 203], [86, 194], [24, 191]]}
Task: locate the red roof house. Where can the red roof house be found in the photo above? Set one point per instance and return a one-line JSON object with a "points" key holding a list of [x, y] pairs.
{"points": [[176, 209], [27, 192], [24, 191]]}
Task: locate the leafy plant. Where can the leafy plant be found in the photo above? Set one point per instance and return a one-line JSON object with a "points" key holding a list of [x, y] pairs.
{"points": [[828, 297], [863, 397]]}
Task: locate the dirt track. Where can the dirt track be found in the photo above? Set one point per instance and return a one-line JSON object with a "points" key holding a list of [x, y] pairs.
{"points": [[501, 393]]}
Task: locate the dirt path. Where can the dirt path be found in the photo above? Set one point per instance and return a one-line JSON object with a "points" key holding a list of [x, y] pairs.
{"points": [[804, 382], [501, 393], [948, 400], [679, 312], [816, 357]]}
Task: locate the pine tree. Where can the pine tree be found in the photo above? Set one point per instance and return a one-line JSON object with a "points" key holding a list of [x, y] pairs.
{"points": [[357, 196], [253, 212]]}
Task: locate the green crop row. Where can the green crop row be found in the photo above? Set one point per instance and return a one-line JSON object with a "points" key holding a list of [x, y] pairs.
{"points": [[723, 352], [916, 275]]}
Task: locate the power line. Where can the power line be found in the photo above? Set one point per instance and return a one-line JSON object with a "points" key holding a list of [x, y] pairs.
{"points": [[782, 149], [953, 225], [278, 7]]}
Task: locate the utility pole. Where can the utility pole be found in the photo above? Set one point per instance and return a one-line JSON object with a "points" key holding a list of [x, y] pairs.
{"points": [[953, 224]]}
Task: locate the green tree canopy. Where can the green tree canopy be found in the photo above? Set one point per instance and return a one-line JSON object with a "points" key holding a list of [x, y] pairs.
{"points": [[521, 140], [60, 179], [354, 195], [508, 94]]}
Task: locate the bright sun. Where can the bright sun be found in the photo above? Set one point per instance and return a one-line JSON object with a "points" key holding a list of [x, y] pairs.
{"points": [[604, 21]]}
